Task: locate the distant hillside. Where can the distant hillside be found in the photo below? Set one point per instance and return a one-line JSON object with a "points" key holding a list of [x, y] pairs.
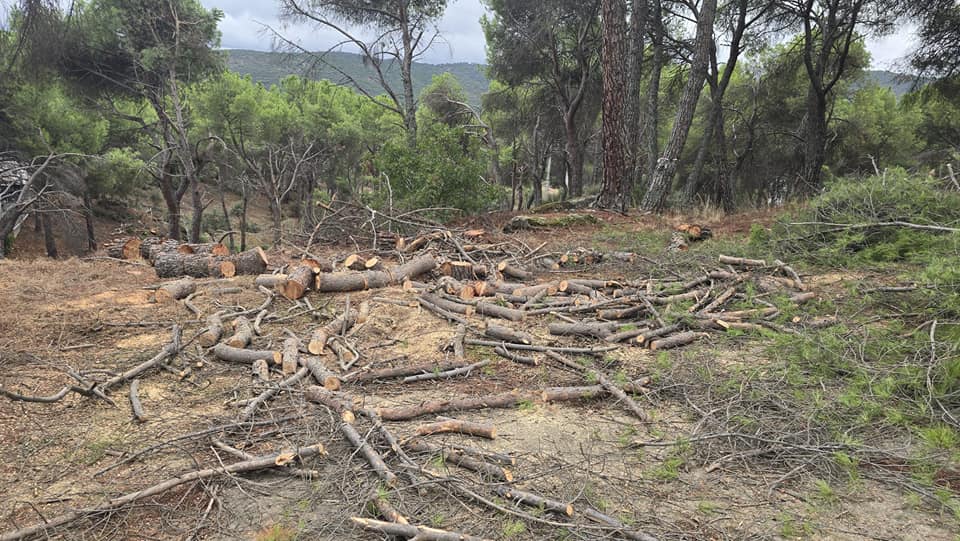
{"points": [[269, 68], [900, 84]]}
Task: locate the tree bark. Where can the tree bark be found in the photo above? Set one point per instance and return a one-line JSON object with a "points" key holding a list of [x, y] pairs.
{"points": [[615, 191], [667, 163], [639, 13]]}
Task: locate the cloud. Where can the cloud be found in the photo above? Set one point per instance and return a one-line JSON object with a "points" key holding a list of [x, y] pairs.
{"points": [[245, 26]]}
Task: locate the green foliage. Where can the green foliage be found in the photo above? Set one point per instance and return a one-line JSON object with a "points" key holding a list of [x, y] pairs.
{"points": [[115, 173], [444, 170], [893, 196], [874, 130]]}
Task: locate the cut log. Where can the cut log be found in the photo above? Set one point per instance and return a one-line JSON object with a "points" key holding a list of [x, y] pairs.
{"points": [[125, 248], [369, 454], [269, 281], [515, 272], [465, 370], [297, 282], [291, 356], [463, 270], [452, 456], [360, 281], [626, 334], [320, 336], [499, 332], [243, 333], [135, 404], [373, 263], [405, 413], [335, 401], [742, 262], [573, 288], [529, 291], [212, 248], [408, 531], [646, 336], [532, 500], [448, 305], [261, 370], [801, 298], [676, 340], [174, 291], [328, 379], [250, 262], [720, 300], [245, 356], [629, 312], [152, 247], [596, 330], [515, 357], [213, 332], [403, 371], [353, 262], [495, 310], [386, 510], [458, 426]]}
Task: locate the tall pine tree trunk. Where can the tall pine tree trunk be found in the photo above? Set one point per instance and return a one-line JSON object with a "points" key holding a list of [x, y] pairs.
{"points": [[615, 192], [667, 163], [651, 121], [638, 27]]}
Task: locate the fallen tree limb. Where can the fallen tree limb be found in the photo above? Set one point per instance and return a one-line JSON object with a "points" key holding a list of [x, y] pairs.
{"points": [[369, 454], [405, 413], [534, 500], [135, 404], [245, 356], [517, 358], [402, 371], [605, 382], [458, 426], [447, 373], [251, 409], [260, 463], [408, 531], [453, 456], [534, 347]]}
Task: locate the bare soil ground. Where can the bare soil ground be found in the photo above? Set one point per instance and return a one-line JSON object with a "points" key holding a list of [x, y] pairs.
{"points": [[96, 318]]}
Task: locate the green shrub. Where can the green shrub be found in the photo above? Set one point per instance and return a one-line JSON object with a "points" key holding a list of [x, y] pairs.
{"points": [[446, 169]]}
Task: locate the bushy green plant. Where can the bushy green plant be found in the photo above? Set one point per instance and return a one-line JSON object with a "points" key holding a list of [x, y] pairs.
{"points": [[895, 196], [445, 170]]}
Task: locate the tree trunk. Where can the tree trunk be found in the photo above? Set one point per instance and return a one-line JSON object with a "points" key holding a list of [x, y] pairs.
{"points": [[815, 142], [88, 220], [243, 218], [667, 163], [49, 242], [651, 122], [226, 213], [574, 156], [614, 194], [276, 214], [638, 26], [406, 75], [197, 224]]}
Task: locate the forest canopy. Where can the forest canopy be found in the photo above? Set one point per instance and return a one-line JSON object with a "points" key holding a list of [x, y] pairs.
{"points": [[733, 104]]}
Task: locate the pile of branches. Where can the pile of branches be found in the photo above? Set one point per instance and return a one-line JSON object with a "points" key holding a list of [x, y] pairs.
{"points": [[491, 301]]}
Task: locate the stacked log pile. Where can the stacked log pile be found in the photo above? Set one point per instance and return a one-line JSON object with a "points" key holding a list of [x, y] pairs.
{"points": [[173, 259]]}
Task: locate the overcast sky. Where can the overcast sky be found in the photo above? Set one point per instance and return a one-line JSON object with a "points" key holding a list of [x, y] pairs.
{"points": [[244, 20]]}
